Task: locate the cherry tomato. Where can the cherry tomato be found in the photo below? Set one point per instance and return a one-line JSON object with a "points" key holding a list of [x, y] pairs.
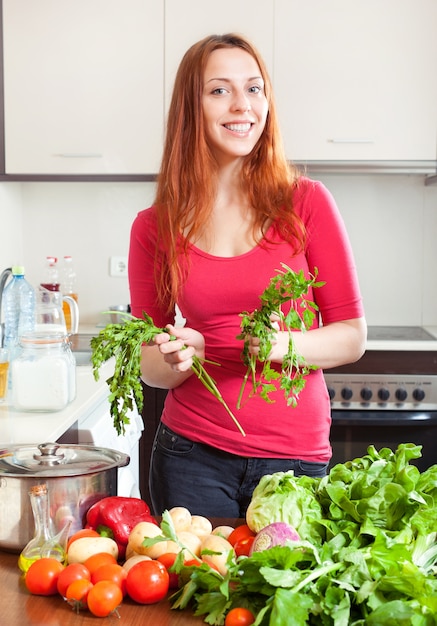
{"points": [[111, 571], [97, 560], [241, 532], [104, 597], [42, 576], [77, 593], [84, 532], [147, 582], [74, 571], [242, 546], [239, 616], [167, 559]]}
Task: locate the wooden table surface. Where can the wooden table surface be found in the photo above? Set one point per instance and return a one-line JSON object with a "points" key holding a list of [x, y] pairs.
{"points": [[20, 608]]}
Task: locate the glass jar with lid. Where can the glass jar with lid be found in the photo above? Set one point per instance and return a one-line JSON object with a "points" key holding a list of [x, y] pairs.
{"points": [[44, 373]]}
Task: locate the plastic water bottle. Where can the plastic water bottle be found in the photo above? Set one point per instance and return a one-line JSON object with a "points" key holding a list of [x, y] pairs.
{"points": [[18, 308]]}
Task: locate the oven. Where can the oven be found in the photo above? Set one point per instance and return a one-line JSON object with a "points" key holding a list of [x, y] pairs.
{"points": [[388, 397]]}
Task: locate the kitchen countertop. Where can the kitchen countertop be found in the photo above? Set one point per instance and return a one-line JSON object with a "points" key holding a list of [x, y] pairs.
{"points": [[20, 427], [406, 344], [20, 608]]}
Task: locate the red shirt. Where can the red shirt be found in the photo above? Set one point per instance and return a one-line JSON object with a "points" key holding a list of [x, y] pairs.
{"points": [[217, 290]]}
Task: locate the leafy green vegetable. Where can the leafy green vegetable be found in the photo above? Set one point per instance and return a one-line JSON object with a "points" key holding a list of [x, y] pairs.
{"points": [[367, 554], [124, 341], [285, 286]]}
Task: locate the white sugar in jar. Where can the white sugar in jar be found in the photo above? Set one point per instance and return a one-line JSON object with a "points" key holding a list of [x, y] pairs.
{"points": [[43, 374]]}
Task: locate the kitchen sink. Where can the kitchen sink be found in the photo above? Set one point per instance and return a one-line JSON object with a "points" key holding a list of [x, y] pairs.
{"points": [[80, 345]]}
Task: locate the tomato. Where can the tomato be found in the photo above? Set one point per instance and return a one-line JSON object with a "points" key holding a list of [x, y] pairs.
{"points": [[147, 582], [74, 571], [77, 593], [42, 576], [242, 546], [104, 597], [97, 560], [85, 532], [239, 616], [111, 571], [167, 559], [241, 532]]}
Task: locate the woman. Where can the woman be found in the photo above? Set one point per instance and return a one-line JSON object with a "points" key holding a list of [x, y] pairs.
{"points": [[228, 211]]}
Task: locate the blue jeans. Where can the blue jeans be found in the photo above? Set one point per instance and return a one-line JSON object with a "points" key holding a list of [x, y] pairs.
{"points": [[208, 481]]}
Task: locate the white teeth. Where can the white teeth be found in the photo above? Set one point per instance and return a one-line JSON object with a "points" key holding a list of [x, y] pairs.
{"points": [[239, 128]]}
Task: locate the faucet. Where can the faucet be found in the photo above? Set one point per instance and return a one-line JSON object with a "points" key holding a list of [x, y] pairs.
{"points": [[3, 280]]}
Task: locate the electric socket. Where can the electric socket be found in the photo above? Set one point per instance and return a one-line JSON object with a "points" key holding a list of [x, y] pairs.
{"points": [[118, 266]]}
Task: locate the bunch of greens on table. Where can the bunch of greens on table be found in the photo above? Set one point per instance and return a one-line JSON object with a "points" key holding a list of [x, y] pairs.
{"points": [[367, 553], [123, 342], [286, 286]]}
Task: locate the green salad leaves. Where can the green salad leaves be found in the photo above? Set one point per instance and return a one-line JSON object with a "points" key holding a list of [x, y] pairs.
{"points": [[367, 555]]}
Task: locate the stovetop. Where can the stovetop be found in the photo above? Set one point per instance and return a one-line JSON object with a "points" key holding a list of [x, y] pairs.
{"points": [[399, 333]]}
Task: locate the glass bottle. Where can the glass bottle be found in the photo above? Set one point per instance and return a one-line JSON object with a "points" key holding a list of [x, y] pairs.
{"points": [[44, 543]]}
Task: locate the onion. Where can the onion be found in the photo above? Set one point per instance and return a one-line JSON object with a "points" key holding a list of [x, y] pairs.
{"points": [[275, 534]]}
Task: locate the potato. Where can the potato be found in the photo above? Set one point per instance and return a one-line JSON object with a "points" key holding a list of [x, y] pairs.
{"points": [[139, 533], [222, 531], [82, 548], [190, 541], [181, 518], [215, 543], [200, 526], [133, 560]]}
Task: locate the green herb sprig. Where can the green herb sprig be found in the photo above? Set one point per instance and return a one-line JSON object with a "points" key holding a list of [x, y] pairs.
{"points": [[287, 285], [123, 342]]}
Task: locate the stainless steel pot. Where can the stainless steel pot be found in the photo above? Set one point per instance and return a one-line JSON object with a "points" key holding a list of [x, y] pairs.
{"points": [[76, 477]]}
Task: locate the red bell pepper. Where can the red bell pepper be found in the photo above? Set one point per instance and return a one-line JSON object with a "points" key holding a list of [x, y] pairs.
{"points": [[116, 516]]}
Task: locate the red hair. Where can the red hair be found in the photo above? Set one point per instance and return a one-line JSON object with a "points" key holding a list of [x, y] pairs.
{"points": [[187, 178]]}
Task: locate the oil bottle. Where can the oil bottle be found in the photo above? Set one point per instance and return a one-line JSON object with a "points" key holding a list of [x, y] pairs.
{"points": [[44, 543]]}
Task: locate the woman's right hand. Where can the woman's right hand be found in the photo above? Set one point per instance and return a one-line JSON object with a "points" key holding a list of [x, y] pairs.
{"points": [[179, 345]]}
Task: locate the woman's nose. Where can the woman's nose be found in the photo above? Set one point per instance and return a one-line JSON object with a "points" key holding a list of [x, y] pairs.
{"points": [[241, 102]]}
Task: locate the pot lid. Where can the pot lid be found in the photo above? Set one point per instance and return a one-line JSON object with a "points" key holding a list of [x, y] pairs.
{"points": [[53, 459]]}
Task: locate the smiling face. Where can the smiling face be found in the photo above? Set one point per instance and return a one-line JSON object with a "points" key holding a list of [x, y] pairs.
{"points": [[234, 103]]}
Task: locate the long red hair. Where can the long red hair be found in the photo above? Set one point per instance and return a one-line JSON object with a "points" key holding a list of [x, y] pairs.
{"points": [[186, 185]]}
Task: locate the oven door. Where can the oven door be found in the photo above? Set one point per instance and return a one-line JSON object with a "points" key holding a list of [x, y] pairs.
{"points": [[353, 431]]}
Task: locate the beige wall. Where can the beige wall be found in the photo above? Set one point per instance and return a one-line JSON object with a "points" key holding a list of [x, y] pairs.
{"points": [[391, 219]]}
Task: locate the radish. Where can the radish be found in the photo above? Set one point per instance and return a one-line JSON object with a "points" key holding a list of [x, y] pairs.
{"points": [[275, 534]]}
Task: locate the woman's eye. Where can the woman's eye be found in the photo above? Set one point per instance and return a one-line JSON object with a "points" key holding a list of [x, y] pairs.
{"points": [[255, 89], [218, 91]]}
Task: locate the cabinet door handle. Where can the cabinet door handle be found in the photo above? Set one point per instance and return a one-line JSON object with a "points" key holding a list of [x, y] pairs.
{"points": [[349, 140], [80, 155]]}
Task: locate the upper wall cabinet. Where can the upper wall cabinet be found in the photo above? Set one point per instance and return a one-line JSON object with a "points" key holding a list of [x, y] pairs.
{"points": [[83, 86], [357, 80], [250, 18]]}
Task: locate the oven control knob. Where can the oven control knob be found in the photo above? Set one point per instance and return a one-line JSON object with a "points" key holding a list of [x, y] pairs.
{"points": [[331, 393], [401, 394], [418, 394], [366, 394], [346, 393], [383, 394]]}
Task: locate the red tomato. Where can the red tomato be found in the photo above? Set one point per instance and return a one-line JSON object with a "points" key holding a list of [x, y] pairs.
{"points": [[111, 571], [239, 617], [77, 593], [241, 532], [97, 560], [242, 546], [85, 532], [147, 582], [42, 576], [104, 598], [167, 560], [74, 571]]}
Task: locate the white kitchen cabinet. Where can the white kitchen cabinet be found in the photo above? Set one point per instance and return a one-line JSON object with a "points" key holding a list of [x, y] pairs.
{"points": [[83, 86], [250, 18], [357, 80]]}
